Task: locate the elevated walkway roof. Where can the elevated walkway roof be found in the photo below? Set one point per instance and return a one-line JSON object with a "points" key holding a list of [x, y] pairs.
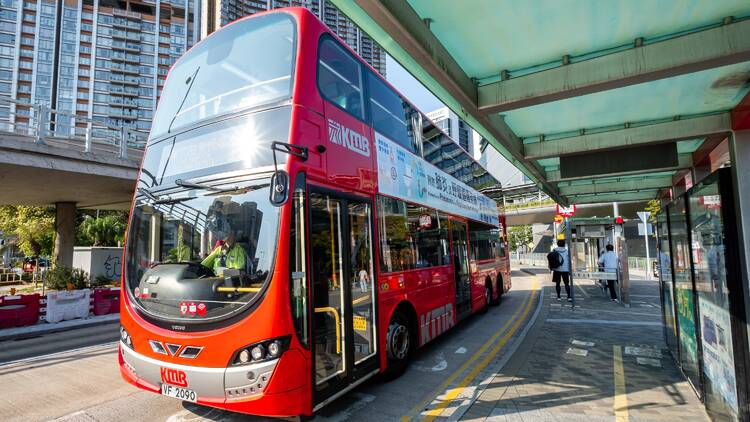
{"points": [[595, 101]]}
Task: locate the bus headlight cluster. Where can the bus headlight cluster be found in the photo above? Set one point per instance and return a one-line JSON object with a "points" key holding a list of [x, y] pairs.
{"points": [[261, 351], [125, 337]]}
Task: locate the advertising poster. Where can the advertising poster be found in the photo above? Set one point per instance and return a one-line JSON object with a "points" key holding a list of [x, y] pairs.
{"points": [[718, 357], [688, 342], [403, 175]]}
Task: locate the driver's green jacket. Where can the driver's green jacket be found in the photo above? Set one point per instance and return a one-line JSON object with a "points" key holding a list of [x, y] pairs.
{"points": [[234, 258]]}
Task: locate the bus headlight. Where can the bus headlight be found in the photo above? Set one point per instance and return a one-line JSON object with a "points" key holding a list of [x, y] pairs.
{"points": [[125, 337], [261, 351]]}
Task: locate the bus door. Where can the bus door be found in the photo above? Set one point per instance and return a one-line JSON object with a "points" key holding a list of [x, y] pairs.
{"points": [[460, 246], [343, 292]]}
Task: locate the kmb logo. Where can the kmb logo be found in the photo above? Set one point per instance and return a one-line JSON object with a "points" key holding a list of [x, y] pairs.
{"points": [[174, 377], [342, 135]]}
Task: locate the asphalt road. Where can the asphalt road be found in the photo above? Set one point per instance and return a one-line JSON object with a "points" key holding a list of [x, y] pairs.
{"points": [[73, 376]]}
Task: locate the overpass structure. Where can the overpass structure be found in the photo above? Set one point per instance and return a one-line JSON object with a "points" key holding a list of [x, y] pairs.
{"points": [[594, 103], [614, 102], [43, 167]]}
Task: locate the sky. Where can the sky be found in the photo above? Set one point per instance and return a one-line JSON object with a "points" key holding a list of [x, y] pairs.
{"points": [[410, 87]]}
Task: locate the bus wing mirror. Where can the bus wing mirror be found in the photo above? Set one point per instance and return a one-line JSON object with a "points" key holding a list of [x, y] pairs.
{"points": [[279, 192]]}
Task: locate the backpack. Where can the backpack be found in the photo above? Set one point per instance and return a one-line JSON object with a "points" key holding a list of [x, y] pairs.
{"points": [[554, 260]]}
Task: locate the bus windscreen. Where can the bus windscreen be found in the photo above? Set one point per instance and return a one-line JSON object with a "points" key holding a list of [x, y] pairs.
{"points": [[245, 65], [201, 255]]}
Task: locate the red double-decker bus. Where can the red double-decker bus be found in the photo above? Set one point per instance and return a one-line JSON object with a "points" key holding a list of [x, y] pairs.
{"points": [[298, 226]]}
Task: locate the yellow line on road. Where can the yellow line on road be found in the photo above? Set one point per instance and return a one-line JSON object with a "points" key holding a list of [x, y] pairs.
{"points": [[621, 397], [456, 391], [448, 381]]}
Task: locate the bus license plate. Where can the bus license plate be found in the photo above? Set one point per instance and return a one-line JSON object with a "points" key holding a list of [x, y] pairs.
{"points": [[179, 393]]}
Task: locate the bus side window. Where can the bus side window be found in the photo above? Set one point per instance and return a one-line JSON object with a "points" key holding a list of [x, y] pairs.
{"points": [[389, 112], [340, 78]]}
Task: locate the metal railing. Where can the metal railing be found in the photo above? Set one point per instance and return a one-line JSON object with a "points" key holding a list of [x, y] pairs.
{"points": [[47, 126], [533, 259]]}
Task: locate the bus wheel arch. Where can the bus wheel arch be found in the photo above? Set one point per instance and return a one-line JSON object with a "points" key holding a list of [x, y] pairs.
{"points": [[401, 339]]}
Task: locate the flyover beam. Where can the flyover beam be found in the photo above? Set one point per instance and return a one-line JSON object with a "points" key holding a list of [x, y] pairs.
{"points": [[684, 161], [693, 52], [610, 186], [675, 130], [643, 195], [396, 27]]}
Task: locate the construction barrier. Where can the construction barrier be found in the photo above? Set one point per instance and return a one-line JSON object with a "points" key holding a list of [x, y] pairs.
{"points": [[19, 310], [106, 301], [68, 305]]}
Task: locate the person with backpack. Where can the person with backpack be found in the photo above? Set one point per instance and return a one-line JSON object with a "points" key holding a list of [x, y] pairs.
{"points": [[559, 263]]}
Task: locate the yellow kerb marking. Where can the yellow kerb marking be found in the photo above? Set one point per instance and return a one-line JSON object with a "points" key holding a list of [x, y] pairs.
{"points": [[621, 397]]}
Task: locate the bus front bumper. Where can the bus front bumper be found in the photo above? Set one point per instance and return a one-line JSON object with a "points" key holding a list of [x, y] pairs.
{"points": [[211, 385]]}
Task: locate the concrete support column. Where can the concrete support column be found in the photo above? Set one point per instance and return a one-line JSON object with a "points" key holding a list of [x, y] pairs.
{"points": [[65, 232]]}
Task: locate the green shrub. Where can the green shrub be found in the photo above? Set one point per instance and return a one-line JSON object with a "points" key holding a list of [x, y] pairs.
{"points": [[101, 280], [59, 277]]}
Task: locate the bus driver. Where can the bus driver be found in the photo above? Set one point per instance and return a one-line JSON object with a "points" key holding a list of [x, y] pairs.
{"points": [[229, 254]]}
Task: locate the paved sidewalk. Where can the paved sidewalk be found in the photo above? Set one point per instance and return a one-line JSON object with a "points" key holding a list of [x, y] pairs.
{"points": [[601, 361]]}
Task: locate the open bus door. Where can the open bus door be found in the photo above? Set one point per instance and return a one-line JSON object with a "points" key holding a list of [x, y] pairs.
{"points": [[343, 293]]}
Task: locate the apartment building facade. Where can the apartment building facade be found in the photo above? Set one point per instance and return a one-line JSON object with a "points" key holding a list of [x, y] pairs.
{"points": [[104, 60], [217, 13]]}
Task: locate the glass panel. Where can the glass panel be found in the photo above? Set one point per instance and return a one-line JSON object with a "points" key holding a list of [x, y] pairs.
{"points": [[461, 266], [216, 77], [363, 281], [388, 112], [198, 254], [339, 78], [667, 284], [298, 280], [684, 290], [327, 275], [713, 299]]}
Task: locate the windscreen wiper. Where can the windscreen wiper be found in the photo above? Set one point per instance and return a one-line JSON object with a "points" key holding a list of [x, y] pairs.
{"points": [[169, 200], [191, 81], [145, 192], [186, 184]]}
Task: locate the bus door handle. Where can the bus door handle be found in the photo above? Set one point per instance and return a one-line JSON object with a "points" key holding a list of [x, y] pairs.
{"points": [[335, 313]]}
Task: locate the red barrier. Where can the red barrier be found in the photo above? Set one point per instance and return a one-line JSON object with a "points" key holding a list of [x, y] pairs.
{"points": [[19, 310], [106, 301]]}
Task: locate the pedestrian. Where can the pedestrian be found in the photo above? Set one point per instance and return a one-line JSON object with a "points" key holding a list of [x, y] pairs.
{"points": [[610, 263], [559, 264]]}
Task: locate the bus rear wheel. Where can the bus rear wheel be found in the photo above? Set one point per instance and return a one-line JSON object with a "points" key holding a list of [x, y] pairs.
{"points": [[398, 345], [500, 289]]}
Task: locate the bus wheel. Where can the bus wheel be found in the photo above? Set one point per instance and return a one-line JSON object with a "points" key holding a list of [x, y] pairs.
{"points": [[398, 345], [487, 298], [500, 289]]}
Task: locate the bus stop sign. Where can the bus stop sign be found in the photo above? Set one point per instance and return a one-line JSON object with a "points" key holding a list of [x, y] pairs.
{"points": [[566, 211]]}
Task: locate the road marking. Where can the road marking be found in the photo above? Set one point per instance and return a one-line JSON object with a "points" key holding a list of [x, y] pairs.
{"points": [[454, 392], [461, 350], [602, 322], [416, 410], [621, 398], [582, 290]]}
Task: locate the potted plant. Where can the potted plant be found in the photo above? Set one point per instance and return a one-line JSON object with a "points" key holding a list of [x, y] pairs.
{"points": [[72, 300]]}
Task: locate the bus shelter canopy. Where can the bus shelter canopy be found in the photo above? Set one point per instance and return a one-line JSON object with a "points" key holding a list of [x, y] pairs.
{"points": [[596, 101]]}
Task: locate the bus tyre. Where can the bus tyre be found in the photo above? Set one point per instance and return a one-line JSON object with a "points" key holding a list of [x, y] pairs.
{"points": [[495, 302], [487, 298], [398, 345]]}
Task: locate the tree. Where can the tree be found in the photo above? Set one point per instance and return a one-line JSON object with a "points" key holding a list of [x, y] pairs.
{"points": [[102, 231], [519, 236], [654, 207], [34, 227]]}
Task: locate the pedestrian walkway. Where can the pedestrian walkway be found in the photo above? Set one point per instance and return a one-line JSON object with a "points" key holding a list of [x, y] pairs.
{"points": [[600, 361]]}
